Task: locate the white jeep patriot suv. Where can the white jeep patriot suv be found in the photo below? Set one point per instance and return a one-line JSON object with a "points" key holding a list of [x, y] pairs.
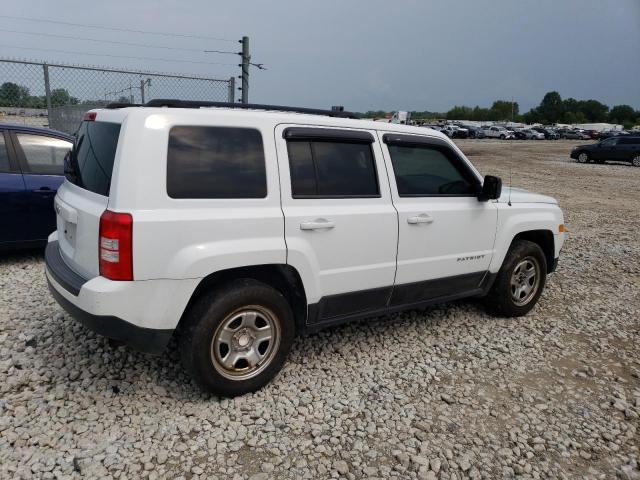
{"points": [[236, 227]]}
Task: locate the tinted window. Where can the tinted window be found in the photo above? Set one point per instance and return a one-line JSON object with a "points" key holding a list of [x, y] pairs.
{"points": [[44, 154], [4, 156], [216, 162], [90, 164], [427, 170], [332, 169], [609, 142], [629, 141]]}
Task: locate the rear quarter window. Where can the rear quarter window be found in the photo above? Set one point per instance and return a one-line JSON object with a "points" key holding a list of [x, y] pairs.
{"points": [[90, 163], [215, 162]]}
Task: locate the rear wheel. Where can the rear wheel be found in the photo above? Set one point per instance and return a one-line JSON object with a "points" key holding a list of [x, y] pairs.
{"points": [[635, 161], [520, 281], [236, 339]]}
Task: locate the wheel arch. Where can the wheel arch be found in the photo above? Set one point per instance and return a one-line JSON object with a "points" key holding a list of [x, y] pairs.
{"points": [[284, 278], [544, 239]]}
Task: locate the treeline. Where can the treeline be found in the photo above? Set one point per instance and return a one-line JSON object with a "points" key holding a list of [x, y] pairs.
{"points": [[14, 95], [552, 109]]}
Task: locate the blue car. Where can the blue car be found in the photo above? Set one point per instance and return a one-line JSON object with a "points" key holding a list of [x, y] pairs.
{"points": [[31, 170]]}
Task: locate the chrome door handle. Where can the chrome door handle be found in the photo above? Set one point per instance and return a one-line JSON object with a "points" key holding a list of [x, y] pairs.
{"points": [[422, 218], [318, 224]]}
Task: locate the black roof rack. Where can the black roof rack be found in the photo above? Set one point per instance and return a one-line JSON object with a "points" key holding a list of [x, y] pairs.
{"points": [[116, 105], [171, 103]]}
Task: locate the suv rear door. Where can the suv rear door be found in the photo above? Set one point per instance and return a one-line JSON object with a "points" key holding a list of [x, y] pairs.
{"points": [[41, 159], [84, 196], [340, 225]]}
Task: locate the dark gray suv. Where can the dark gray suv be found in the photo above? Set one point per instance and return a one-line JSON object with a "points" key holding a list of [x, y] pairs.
{"points": [[622, 148]]}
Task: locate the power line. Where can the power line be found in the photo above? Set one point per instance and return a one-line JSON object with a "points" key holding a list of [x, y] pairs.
{"points": [[118, 56], [115, 42], [116, 29]]}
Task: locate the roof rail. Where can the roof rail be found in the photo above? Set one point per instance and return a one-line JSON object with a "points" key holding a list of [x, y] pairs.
{"points": [[171, 103], [116, 105]]}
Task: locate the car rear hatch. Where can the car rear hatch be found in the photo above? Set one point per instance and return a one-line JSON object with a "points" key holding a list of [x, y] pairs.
{"points": [[84, 196]]}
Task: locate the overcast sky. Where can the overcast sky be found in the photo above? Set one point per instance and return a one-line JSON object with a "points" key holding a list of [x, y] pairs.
{"points": [[364, 54]]}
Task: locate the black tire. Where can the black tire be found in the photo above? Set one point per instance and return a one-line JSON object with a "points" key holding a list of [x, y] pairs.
{"points": [[209, 314], [502, 137], [635, 160], [500, 301]]}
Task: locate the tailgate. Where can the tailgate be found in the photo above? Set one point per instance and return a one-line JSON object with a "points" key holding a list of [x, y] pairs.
{"points": [[78, 214], [84, 196]]}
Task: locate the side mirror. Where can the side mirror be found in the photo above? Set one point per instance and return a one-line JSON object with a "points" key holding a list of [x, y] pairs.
{"points": [[491, 188]]}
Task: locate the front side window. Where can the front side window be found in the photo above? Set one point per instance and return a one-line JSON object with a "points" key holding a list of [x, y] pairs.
{"points": [[430, 170], [609, 142], [215, 162], [44, 154], [332, 169]]}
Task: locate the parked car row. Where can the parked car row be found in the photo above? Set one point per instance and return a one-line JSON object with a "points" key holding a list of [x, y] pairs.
{"points": [[503, 132]]}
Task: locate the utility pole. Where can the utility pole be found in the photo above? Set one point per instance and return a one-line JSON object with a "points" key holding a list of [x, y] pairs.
{"points": [[246, 60]]}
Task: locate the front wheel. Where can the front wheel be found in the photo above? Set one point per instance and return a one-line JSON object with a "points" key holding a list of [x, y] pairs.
{"points": [[520, 281], [635, 161], [583, 157], [236, 339]]}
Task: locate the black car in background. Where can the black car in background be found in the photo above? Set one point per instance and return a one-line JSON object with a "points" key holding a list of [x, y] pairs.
{"points": [[474, 132], [621, 148], [549, 134]]}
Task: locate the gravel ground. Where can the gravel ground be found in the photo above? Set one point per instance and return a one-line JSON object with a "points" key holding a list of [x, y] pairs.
{"points": [[444, 393]]}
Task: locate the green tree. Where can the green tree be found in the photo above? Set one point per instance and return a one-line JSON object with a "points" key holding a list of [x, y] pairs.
{"points": [[14, 95], [60, 97], [551, 108], [623, 114], [459, 113], [593, 110], [504, 110]]}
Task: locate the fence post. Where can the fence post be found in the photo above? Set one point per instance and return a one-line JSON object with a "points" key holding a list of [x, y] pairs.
{"points": [[142, 91], [246, 60], [47, 91], [232, 89]]}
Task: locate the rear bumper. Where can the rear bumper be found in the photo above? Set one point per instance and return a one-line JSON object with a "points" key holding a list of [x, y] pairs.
{"points": [[146, 340], [141, 314]]}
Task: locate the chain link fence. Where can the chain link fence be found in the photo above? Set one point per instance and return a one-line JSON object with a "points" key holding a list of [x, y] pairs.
{"points": [[57, 95]]}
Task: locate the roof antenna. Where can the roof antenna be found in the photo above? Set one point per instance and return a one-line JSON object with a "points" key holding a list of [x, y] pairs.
{"points": [[511, 158]]}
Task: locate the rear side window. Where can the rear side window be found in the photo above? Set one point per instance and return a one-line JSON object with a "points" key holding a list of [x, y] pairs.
{"points": [[629, 141], [325, 169], [44, 154], [428, 171], [4, 156], [90, 164], [215, 162]]}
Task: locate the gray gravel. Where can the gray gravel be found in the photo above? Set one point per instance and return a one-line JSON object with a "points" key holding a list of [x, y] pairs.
{"points": [[444, 393]]}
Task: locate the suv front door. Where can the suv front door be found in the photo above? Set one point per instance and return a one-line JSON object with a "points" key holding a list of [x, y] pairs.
{"points": [[606, 149], [340, 226], [446, 235]]}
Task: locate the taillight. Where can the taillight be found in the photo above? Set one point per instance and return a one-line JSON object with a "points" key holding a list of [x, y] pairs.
{"points": [[89, 117], [115, 245]]}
